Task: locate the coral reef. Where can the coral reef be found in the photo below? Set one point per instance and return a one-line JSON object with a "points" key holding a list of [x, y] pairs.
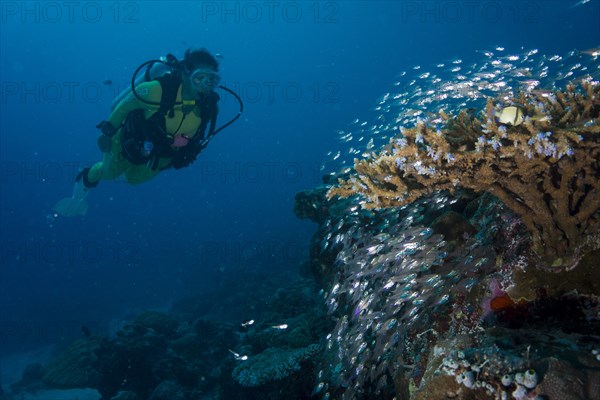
{"points": [[283, 347], [159, 322], [422, 299], [168, 390], [309, 204], [126, 396], [273, 364], [546, 169], [31, 379], [396, 285], [153, 357], [184, 354], [75, 366]]}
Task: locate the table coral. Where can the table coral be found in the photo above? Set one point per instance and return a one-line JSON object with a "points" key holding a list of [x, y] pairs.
{"points": [[545, 169]]}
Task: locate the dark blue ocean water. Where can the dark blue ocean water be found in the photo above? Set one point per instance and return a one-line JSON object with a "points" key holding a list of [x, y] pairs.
{"points": [[304, 70]]}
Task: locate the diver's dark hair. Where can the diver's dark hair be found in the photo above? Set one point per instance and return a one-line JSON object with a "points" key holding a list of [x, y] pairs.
{"points": [[199, 58]]}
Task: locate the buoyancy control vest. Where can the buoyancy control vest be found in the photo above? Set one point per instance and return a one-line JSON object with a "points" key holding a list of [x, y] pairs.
{"points": [[145, 141]]}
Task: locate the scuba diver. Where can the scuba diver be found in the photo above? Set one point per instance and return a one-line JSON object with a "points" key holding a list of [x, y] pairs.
{"points": [[164, 120]]}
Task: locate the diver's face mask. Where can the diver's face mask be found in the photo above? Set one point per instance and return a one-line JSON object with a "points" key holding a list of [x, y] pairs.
{"points": [[204, 80]]}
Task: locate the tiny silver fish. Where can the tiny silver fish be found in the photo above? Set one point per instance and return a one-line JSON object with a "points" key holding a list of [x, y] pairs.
{"points": [[580, 3], [247, 323], [237, 356], [595, 52]]}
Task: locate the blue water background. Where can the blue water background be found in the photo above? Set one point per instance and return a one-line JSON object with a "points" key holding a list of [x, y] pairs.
{"points": [[148, 245]]}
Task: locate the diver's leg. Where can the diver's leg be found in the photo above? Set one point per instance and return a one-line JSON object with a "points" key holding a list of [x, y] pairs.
{"points": [[139, 173], [76, 204], [109, 168]]}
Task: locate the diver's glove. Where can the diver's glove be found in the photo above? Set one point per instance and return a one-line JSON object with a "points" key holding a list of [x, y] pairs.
{"points": [[105, 140], [186, 155], [107, 128], [182, 159]]}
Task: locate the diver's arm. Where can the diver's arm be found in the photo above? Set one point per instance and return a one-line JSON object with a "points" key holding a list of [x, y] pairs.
{"points": [[149, 91]]}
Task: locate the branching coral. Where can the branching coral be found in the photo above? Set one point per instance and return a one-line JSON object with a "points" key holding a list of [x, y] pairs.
{"points": [[546, 169]]}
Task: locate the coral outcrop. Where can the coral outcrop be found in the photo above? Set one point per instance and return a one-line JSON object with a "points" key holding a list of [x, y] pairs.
{"points": [[184, 354], [75, 367], [422, 299], [273, 364]]}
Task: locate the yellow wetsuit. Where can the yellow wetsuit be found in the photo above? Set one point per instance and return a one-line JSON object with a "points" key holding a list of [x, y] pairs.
{"points": [[114, 163]]}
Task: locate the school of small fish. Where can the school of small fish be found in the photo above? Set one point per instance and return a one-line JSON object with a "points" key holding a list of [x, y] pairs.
{"points": [[419, 95]]}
